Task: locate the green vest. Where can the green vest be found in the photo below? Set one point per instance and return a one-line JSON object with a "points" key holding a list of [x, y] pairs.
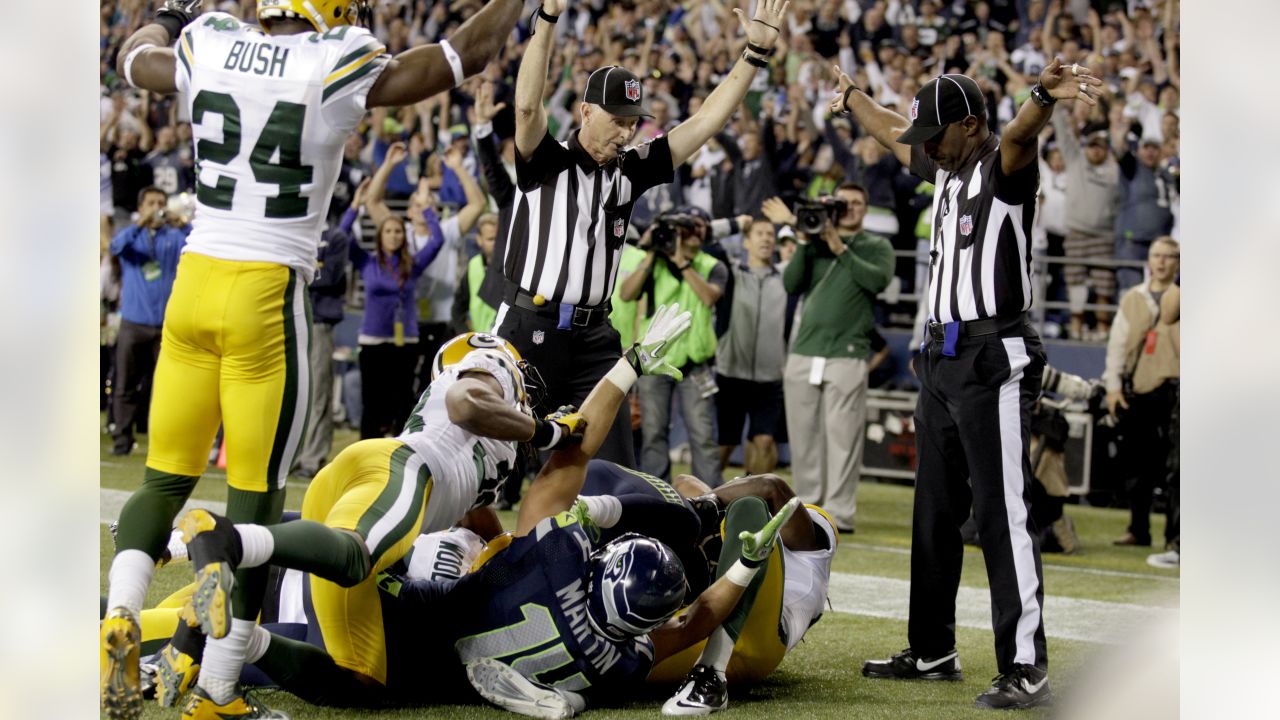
{"points": [[481, 313], [623, 316], [699, 344]]}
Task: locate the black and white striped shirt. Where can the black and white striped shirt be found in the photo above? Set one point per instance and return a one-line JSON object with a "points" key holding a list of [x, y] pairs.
{"points": [[980, 252], [570, 216]]}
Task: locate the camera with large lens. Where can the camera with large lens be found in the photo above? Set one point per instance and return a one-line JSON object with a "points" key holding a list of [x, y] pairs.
{"points": [[812, 215], [667, 229]]}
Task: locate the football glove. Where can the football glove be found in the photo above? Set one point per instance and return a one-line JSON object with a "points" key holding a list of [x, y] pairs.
{"points": [[559, 429], [177, 14], [647, 357], [582, 514], [756, 546]]}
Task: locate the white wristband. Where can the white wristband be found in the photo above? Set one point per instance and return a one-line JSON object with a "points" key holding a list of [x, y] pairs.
{"points": [[128, 62], [740, 574], [455, 62], [622, 375]]}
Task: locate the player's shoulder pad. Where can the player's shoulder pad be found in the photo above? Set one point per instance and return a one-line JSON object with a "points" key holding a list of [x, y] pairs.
{"points": [[478, 361], [219, 22], [352, 51]]}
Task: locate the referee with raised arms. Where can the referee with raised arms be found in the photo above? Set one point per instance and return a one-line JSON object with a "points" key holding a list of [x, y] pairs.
{"points": [[573, 203], [979, 370]]}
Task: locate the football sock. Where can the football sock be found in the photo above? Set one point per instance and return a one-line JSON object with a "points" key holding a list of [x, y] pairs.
{"points": [[262, 508], [605, 510], [746, 513], [177, 548], [129, 577], [257, 543], [717, 651], [259, 640], [313, 547], [146, 520], [223, 657]]}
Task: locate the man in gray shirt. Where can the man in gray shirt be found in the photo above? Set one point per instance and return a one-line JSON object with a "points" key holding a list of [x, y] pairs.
{"points": [[751, 354], [1093, 178]]}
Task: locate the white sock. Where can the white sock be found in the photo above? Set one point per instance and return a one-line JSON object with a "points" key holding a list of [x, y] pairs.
{"points": [[718, 650], [257, 543], [605, 510], [223, 658], [128, 579], [259, 640], [177, 548]]}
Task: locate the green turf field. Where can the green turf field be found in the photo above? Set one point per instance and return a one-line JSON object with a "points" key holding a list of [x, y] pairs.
{"points": [[1092, 595]]}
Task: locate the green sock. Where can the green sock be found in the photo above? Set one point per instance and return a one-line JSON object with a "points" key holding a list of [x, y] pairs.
{"points": [[746, 513], [316, 548], [146, 520], [263, 508]]}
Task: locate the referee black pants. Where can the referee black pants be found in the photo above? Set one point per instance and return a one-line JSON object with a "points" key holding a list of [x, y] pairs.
{"points": [[571, 362], [972, 440]]}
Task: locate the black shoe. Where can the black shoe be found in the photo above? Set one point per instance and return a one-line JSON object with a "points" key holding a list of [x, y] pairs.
{"points": [[123, 447], [908, 665], [1026, 686], [703, 692]]}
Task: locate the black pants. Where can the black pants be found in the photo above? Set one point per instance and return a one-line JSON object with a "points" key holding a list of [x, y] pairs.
{"points": [[1147, 447], [571, 362], [972, 439], [137, 349], [386, 388]]}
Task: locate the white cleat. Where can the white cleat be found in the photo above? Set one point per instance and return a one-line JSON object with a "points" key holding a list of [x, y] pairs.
{"points": [[501, 685]]}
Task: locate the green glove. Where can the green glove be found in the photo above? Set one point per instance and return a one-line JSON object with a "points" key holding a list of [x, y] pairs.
{"points": [[647, 356], [756, 546], [580, 513]]}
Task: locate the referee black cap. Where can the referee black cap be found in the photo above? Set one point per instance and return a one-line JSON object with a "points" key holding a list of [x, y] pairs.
{"points": [[943, 100], [617, 90]]}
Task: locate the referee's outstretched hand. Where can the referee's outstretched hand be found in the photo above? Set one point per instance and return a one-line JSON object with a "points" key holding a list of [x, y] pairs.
{"points": [[1070, 82], [764, 26]]}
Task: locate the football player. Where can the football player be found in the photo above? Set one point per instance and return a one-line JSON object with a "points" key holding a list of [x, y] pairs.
{"points": [[271, 108], [363, 511]]}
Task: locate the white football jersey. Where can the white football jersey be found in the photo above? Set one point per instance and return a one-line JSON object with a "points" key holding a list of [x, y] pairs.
{"points": [[269, 117], [467, 471]]}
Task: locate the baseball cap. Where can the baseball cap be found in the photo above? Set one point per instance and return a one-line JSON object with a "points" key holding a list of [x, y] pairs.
{"points": [[942, 101], [1097, 137], [617, 90]]}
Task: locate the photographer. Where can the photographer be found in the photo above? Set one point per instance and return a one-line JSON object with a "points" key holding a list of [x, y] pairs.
{"points": [[840, 268], [675, 269], [148, 253]]}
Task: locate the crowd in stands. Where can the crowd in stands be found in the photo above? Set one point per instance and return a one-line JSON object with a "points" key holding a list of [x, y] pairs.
{"points": [[1109, 174]]}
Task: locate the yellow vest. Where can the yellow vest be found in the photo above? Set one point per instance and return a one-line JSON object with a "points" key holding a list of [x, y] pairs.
{"points": [[481, 313]]}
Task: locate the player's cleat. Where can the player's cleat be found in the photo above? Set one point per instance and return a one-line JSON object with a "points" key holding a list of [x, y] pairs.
{"points": [[214, 547], [501, 685], [703, 692], [1026, 686], [175, 674], [241, 707], [908, 665], [121, 686]]}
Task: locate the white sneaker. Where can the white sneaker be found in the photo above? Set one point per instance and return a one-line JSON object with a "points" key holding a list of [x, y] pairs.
{"points": [[501, 685], [1165, 560]]}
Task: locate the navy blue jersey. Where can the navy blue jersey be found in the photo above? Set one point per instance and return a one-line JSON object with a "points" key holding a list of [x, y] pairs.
{"points": [[528, 608]]}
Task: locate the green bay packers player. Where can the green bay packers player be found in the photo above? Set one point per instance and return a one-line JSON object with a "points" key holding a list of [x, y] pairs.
{"points": [[270, 108]]}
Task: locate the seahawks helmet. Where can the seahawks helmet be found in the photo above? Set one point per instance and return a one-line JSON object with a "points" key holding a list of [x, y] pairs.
{"points": [[636, 585], [529, 383], [323, 15]]}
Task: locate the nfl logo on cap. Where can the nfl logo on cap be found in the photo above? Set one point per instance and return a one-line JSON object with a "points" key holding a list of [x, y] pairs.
{"points": [[915, 109], [619, 227], [633, 90], [966, 224]]}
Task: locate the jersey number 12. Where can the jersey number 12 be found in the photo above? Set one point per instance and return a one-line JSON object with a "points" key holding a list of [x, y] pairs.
{"points": [[282, 133]]}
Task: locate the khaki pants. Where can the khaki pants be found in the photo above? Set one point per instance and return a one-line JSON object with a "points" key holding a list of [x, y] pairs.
{"points": [[826, 424]]}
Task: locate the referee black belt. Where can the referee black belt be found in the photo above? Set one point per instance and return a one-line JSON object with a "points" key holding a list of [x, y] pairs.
{"points": [[976, 328], [578, 315]]}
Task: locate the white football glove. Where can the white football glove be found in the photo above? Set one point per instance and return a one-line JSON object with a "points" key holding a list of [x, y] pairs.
{"points": [[647, 356]]}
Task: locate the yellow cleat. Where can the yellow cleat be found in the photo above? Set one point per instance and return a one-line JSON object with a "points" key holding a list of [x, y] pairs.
{"points": [[211, 542], [241, 707], [121, 691], [176, 673]]}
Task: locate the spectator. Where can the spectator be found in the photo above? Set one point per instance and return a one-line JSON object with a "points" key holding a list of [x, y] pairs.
{"points": [[1144, 211], [1141, 378], [1090, 216], [470, 311], [679, 273], [389, 332], [129, 174], [328, 307], [170, 171], [754, 165], [840, 272], [750, 356], [148, 254]]}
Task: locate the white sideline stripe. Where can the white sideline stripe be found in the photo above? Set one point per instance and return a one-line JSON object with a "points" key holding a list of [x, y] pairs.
{"points": [[1047, 566], [871, 596], [1092, 621]]}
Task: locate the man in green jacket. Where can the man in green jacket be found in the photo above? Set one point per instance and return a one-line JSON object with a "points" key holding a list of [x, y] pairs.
{"points": [[840, 272]]}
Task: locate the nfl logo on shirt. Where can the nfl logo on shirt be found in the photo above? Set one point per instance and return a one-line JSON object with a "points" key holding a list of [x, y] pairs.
{"points": [[633, 90], [966, 224], [915, 109], [538, 337], [619, 227]]}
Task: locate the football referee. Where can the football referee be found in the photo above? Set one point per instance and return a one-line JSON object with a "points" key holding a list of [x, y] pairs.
{"points": [[573, 203], [979, 371]]}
